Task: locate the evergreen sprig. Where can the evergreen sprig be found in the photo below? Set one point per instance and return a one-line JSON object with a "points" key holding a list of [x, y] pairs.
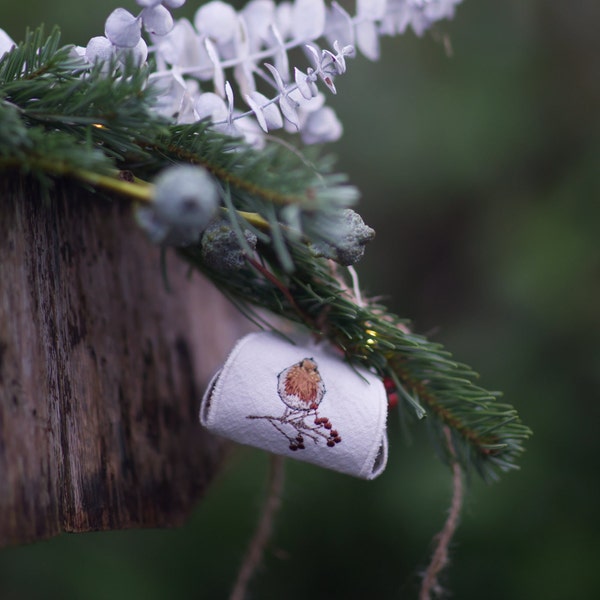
{"points": [[59, 91], [487, 434], [60, 117], [80, 121]]}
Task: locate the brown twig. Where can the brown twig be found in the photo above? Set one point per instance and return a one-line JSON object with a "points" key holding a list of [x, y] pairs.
{"points": [[280, 286], [261, 536], [439, 559]]}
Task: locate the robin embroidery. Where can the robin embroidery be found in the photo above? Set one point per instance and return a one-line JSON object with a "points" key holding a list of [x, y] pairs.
{"points": [[301, 388]]}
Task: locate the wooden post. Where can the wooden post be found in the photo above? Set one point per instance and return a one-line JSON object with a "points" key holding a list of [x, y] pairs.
{"points": [[101, 369]]}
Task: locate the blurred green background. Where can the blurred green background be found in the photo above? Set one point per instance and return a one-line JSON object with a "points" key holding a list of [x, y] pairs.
{"points": [[480, 173]]}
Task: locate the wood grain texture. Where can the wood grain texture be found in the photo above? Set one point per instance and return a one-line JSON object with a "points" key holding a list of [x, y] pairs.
{"points": [[101, 369]]}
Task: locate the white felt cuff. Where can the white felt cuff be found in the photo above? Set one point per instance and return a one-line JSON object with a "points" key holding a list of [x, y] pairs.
{"points": [[302, 401]]}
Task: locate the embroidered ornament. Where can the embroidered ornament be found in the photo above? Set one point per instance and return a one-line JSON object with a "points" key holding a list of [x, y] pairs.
{"points": [[302, 401]]}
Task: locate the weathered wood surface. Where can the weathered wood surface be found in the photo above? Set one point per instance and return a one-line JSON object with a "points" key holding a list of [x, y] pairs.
{"points": [[101, 370]]}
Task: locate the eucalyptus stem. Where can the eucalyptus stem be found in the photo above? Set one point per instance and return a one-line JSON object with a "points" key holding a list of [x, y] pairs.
{"points": [[135, 189], [254, 219]]}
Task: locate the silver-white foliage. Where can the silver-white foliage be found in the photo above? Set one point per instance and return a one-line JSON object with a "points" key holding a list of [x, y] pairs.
{"points": [[197, 61]]}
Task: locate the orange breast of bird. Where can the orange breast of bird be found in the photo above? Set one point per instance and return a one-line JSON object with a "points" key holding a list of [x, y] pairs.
{"points": [[303, 381]]}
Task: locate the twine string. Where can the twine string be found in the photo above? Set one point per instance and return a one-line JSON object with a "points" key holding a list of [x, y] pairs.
{"points": [[440, 557]]}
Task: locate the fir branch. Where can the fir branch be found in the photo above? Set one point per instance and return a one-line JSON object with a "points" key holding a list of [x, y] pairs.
{"points": [[197, 144], [35, 57], [61, 118], [274, 175], [60, 123], [280, 190], [104, 106], [487, 435]]}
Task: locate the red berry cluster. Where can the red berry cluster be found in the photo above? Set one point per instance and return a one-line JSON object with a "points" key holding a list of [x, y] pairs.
{"points": [[391, 391], [330, 434], [298, 443], [333, 437]]}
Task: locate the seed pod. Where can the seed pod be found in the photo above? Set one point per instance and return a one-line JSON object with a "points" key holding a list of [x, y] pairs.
{"points": [[221, 248], [351, 237]]}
